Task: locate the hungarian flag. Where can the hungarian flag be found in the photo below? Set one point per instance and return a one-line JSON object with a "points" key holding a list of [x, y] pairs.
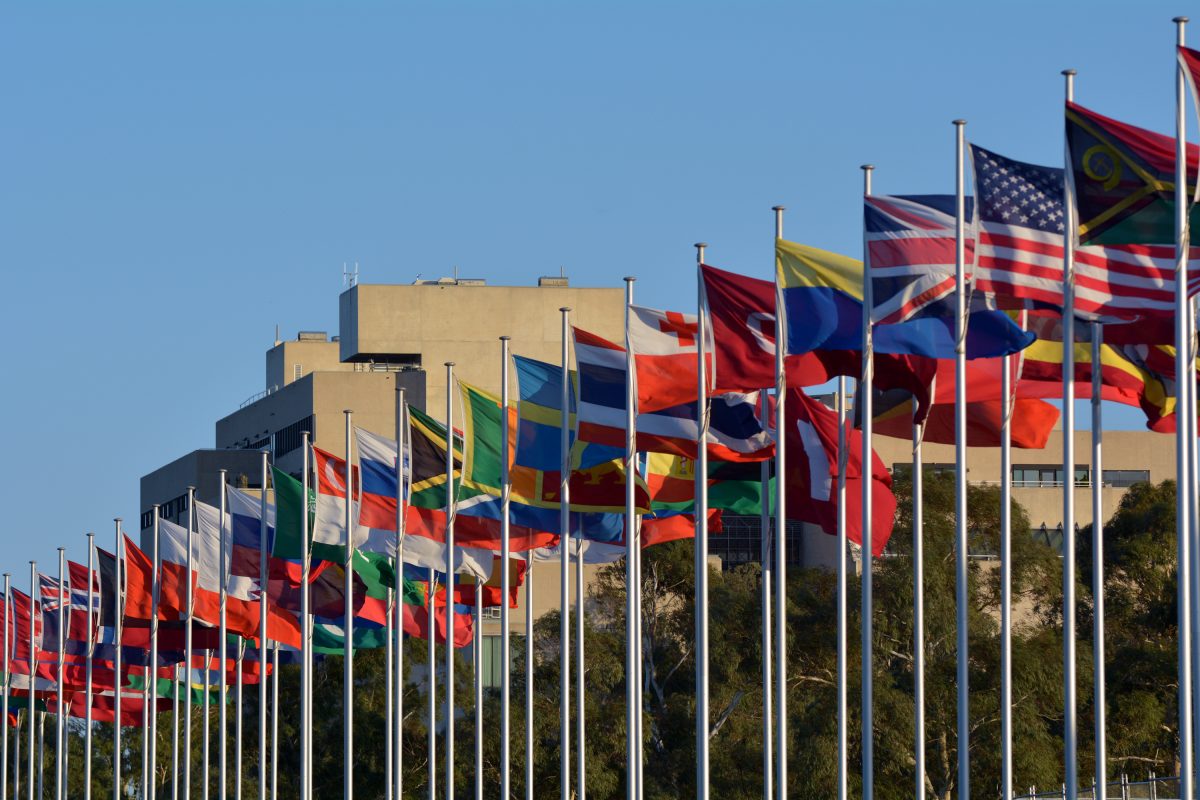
{"points": [[1124, 180], [812, 475]]}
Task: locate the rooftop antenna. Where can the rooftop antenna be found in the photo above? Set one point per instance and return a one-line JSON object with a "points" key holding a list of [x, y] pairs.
{"points": [[277, 334], [456, 273], [349, 279], [562, 273]]}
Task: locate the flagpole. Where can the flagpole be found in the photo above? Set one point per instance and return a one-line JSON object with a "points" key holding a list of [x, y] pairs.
{"points": [[175, 735], [1101, 758], [275, 721], [389, 686], [398, 665], [204, 752], [529, 562], [8, 618], [781, 726], [188, 653], [263, 583], [432, 744], [960, 462], [41, 757], [701, 535], [117, 680], [505, 580], [564, 600], [33, 592], [305, 638], [347, 644], [580, 676], [868, 636], [222, 735], [843, 549], [632, 622], [477, 680], [237, 718], [1006, 737], [17, 755], [87, 692], [918, 532], [152, 678], [764, 528], [450, 492], [1183, 442], [59, 729]]}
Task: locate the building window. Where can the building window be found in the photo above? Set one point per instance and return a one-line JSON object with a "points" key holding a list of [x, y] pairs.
{"points": [[491, 612], [1026, 476], [740, 541], [289, 438], [490, 655], [297, 371], [1124, 478]]}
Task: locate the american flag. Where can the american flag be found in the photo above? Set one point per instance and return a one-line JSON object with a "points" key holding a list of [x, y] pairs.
{"points": [[1020, 227], [911, 255]]}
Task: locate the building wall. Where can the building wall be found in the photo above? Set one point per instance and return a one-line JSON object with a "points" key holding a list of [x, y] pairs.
{"points": [[302, 356], [440, 323]]}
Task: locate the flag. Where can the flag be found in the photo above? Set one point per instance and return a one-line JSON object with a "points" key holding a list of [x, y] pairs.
{"points": [[665, 355], [734, 434], [380, 495], [1123, 179], [912, 250], [329, 524], [812, 475], [289, 506], [823, 305], [82, 624], [1020, 225], [732, 487]]}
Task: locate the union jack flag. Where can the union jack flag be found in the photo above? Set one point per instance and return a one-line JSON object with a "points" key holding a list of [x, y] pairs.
{"points": [[911, 255], [1020, 228]]}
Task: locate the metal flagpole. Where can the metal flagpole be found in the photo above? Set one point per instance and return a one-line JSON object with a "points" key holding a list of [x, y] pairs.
{"points": [[87, 692], [60, 731], [275, 721], [960, 460], [32, 677], [237, 718], [1006, 753], [204, 751], [701, 534], [764, 528], [867, 626], [529, 562], [389, 685], [843, 549], [781, 755], [632, 622], [152, 677], [918, 554], [117, 679], [17, 754], [305, 624], [188, 653], [347, 644], [398, 664], [222, 726], [580, 677], [263, 578], [175, 735], [450, 492], [429, 604], [564, 575], [477, 680], [1098, 565], [8, 616], [1183, 442], [41, 756], [505, 583]]}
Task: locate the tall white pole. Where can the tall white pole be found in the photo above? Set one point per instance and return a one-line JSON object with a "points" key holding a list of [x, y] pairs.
{"points": [[8, 621], [41, 756], [633, 746], [868, 561], [237, 717], [764, 527], [188, 653], [87, 692], [1006, 698], [398, 664], [175, 735], [348, 641], [450, 572], [263, 579], [389, 692], [432, 744], [781, 726], [306, 734], [118, 680], [843, 550], [207, 724], [223, 658], [701, 539], [477, 685], [1183, 461], [529, 794], [564, 600], [961, 576], [1070, 747], [580, 677], [275, 721], [1098, 565], [505, 581], [17, 754], [152, 677], [918, 554], [60, 731]]}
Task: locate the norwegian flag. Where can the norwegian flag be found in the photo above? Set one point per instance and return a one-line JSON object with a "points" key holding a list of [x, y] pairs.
{"points": [[1020, 227], [911, 256], [665, 348]]}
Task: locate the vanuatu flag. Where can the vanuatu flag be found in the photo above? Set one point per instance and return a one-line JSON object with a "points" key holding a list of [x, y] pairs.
{"points": [[1124, 180]]}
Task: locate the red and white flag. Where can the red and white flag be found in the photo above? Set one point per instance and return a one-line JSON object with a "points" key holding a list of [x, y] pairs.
{"points": [[665, 348]]}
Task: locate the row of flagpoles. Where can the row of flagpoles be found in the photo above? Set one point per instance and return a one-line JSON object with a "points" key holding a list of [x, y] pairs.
{"points": [[622, 416]]}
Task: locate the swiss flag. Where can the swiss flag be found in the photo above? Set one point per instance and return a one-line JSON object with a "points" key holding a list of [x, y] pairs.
{"points": [[665, 348]]}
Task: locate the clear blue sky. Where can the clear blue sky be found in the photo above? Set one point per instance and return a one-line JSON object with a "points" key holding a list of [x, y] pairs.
{"points": [[178, 178]]}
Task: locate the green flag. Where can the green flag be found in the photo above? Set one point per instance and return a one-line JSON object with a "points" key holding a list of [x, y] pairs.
{"points": [[289, 494]]}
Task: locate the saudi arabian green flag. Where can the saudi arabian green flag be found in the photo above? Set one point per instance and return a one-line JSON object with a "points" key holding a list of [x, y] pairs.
{"points": [[289, 500]]}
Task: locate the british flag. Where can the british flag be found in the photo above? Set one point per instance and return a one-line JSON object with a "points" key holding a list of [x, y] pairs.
{"points": [[1020, 226], [911, 255]]}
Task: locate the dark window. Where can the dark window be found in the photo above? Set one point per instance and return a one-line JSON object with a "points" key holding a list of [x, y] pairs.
{"points": [[1125, 477], [1047, 475], [740, 541], [289, 438]]}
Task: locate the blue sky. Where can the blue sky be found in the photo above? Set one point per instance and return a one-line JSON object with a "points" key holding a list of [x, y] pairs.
{"points": [[179, 178]]}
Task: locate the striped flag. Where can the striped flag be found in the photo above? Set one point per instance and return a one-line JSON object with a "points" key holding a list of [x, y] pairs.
{"points": [[1020, 226], [911, 251]]}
